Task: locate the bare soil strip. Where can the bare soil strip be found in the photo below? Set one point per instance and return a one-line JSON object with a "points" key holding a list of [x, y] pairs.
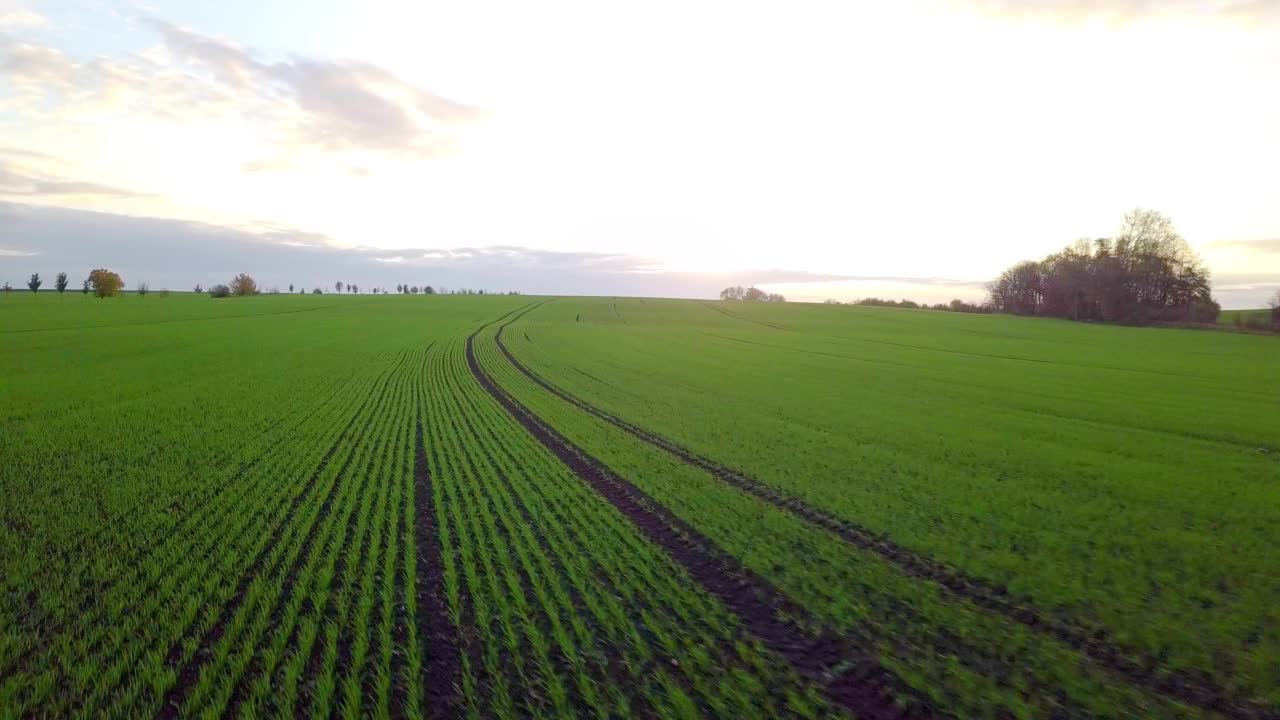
{"points": [[851, 676], [1131, 666], [437, 636]]}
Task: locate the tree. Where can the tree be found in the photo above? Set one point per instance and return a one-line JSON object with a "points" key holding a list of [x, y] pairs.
{"points": [[732, 293], [428, 290], [143, 288], [219, 291], [399, 288], [84, 289], [1274, 303], [7, 287], [60, 282], [317, 291], [242, 284], [198, 289], [290, 288], [1147, 273], [35, 282], [105, 283], [338, 286]]}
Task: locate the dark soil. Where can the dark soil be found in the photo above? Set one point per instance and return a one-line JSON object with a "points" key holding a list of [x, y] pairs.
{"points": [[438, 638]]}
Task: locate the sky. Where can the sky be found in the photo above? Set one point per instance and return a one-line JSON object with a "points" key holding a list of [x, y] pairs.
{"points": [[819, 149]]}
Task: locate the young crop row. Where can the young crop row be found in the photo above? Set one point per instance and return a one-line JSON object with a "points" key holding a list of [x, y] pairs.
{"points": [[136, 579], [562, 607], [235, 604], [965, 658]]}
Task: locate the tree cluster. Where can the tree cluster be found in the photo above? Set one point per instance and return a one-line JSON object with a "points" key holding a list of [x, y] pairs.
{"points": [[751, 294], [1147, 273], [956, 305]]}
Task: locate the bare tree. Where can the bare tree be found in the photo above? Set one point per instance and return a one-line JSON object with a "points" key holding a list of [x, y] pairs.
{"points": [[144, 288]]}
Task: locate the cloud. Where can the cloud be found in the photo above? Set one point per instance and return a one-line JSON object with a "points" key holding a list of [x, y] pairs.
{"points": [[178, 254], [15, 182], [1268, 245], [343, 105], [1127, 11], [11, 19], [297, 105]]}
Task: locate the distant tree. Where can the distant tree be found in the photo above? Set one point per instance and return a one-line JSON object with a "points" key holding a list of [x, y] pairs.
{"points": [[338, 286], [60, 282], [413, 290], [243, 284], [7, 287], [198, 289], [354, 289], [84, 289], [831, 301], [35, 282], [143, 288], [290, 288], [428, 290], [105, 283], [754, 294], [1147, 273], [775, 298], [317, 291], [219, 291], [1274, 304], [732, 293], [399, 288]]}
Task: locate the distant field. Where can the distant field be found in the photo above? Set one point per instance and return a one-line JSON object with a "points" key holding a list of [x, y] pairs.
{"points": [[511, 507], [1233, 317]]}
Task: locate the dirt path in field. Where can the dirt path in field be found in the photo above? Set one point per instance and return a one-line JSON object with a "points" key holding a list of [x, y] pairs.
{"points": [[1131, 666], [850, 675], [437, 637]]}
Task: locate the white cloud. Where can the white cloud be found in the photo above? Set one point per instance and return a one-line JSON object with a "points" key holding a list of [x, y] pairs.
{"points": [[20, 18]]}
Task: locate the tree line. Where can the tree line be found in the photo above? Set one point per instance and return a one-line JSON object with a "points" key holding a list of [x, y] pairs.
{"points": [[956, 305], [751, 294], [1147, 273], [106, 283]]}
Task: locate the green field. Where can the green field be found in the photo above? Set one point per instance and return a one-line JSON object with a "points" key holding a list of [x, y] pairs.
{"points": [[480, 506], [1236, 318]]}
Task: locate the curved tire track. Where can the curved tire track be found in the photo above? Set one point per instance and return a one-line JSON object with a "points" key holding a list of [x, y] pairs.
{"points": [[1131, 666]]}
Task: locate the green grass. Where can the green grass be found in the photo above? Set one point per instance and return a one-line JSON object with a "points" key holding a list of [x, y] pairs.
{"points": [[211, 504]]}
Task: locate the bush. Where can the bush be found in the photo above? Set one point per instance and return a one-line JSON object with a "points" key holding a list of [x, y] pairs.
{"points": [[219, 291]]}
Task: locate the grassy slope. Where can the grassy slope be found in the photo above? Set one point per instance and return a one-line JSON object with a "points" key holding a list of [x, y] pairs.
{"points": [[1122, 475]]}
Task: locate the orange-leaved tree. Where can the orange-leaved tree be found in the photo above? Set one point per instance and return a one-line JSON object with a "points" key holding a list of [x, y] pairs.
{"points": [[244, 285], [105, 283]]}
